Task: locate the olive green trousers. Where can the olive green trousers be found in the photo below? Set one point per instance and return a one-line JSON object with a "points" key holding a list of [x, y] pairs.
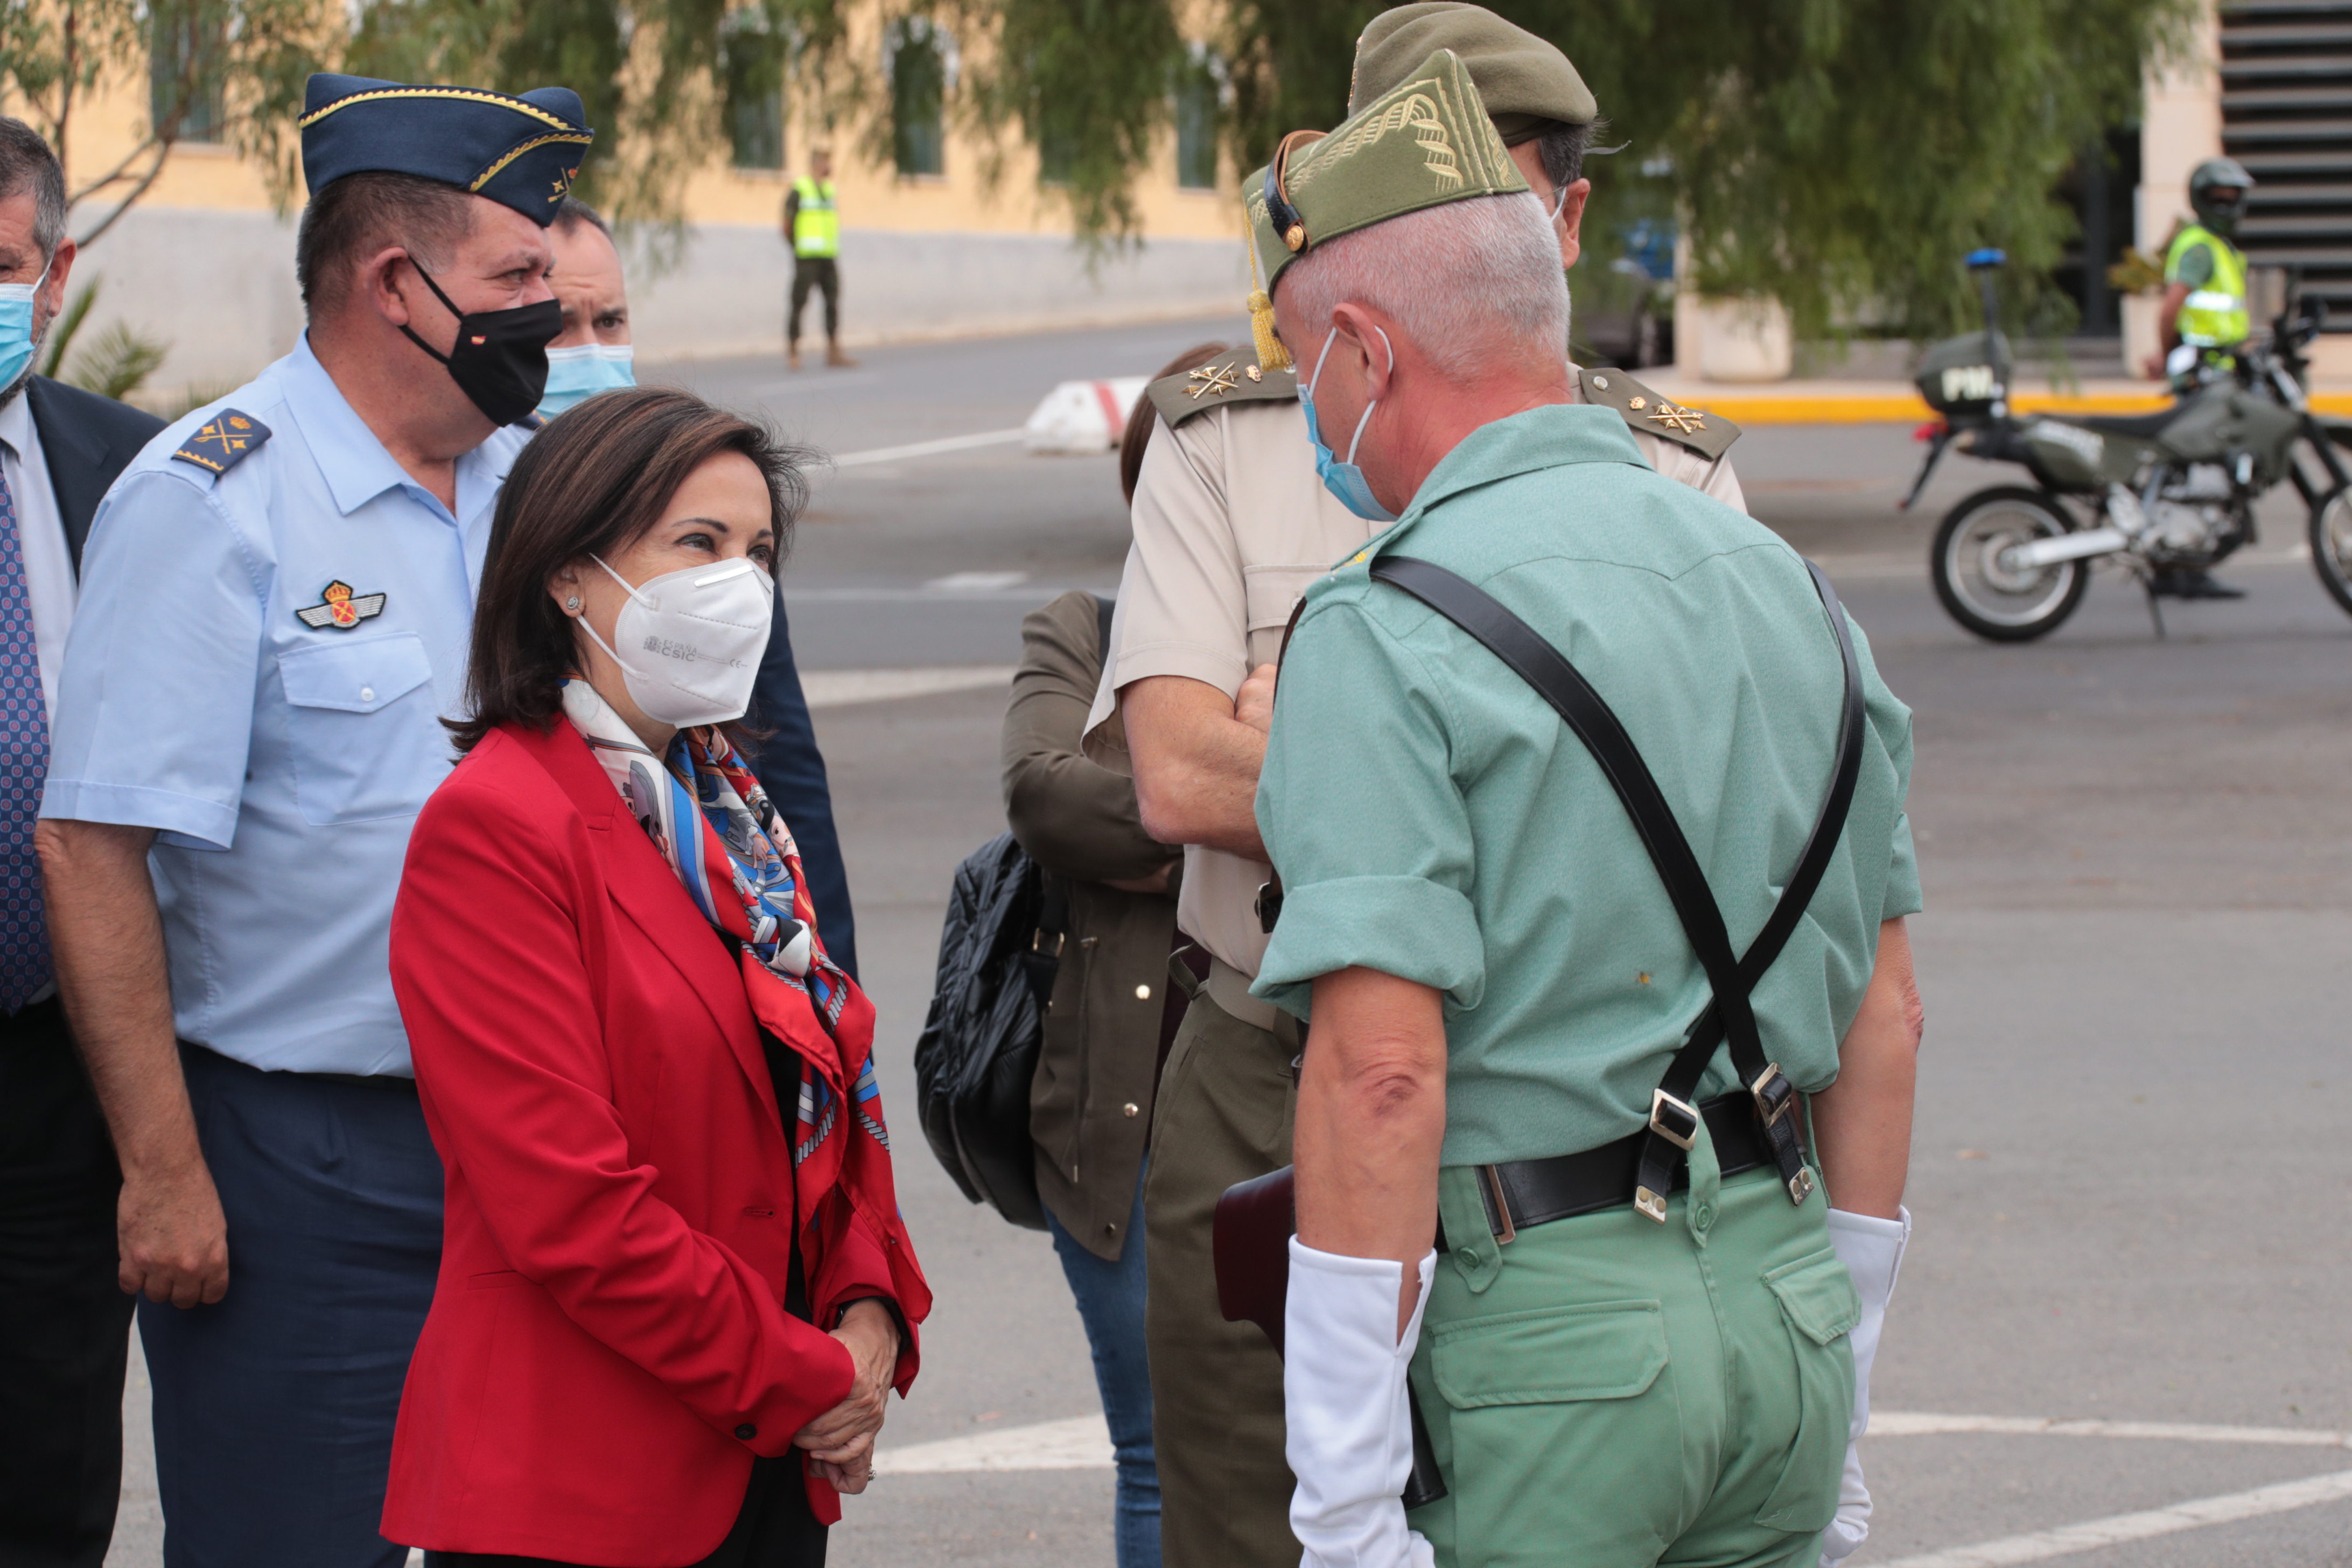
{"points": [[1608, 1392], [1222, 1115]]}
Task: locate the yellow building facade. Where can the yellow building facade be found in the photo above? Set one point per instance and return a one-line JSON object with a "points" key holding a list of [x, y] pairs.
{"points": [[931, 244]]}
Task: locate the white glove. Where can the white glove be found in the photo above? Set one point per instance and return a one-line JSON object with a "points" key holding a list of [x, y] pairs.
{"points": [[1872, 1251], [1343, 1388]]}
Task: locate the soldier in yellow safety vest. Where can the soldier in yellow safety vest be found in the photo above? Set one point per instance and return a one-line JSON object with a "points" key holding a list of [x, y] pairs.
{"points": [[813, 228], [2204, 315], [2204, 310]]}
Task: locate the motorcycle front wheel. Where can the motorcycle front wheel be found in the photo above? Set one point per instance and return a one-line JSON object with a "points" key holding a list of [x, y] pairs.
{"points": [[2331, 545], [1997, 603]]}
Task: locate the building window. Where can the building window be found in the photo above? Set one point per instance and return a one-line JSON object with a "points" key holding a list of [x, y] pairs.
{"points": [[918, 76], [1197, 93], [752, 62], [183, 97], [1057, 155]]}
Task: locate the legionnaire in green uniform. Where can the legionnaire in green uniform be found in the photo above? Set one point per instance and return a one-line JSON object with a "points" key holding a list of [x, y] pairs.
{"points": [[1642, 1340], [1230, 523]]}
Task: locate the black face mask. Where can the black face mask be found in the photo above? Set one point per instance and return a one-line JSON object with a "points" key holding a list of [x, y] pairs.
{"points": [[500, 359]]}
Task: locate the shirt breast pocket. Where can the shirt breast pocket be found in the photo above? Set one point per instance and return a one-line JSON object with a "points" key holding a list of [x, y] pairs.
{"points": [[1271, 592], [365, 734]]}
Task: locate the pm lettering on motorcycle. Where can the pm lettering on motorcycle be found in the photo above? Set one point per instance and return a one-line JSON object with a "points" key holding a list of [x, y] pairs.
{"points": [[2162, 497]]}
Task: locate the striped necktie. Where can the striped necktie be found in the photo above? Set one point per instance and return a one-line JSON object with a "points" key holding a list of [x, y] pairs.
{"points": [[25, 965]]}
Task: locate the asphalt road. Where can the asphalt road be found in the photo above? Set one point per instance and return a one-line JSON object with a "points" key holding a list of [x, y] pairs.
{"points": [[2132, 1196]]}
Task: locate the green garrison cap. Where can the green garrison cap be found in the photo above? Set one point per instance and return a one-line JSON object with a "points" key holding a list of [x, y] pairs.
{"points": [[1422, 143], [1525, 81]]}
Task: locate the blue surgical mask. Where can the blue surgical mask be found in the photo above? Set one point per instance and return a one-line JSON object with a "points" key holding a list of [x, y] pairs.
{"points": [[17, 327], [1344, 479], [579, 372]]}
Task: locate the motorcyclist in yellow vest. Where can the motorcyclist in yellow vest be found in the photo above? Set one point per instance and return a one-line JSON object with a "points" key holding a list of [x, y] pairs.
{"points": [[2204, 309], [813, 228], [2204, 314]]}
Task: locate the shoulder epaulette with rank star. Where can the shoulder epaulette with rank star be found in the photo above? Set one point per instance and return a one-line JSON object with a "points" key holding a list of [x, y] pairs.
{"points": [[1709, 434], [224, 441], [1219, 382]]}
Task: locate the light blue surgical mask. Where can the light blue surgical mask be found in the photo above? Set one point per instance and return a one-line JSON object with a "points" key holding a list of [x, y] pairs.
{"points": [[16, 326], [1344, 479], [579, 372]]}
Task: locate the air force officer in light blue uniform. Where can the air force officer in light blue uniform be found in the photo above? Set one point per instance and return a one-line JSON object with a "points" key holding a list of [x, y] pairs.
{"points": [[274, 618]]}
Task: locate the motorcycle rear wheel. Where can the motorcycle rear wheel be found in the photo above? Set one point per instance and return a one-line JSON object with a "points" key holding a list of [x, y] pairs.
{"points": [[1996, 604], [2331, 545]]}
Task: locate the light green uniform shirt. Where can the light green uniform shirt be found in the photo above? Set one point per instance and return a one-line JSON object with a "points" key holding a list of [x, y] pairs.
{"points": [[1432, 818]]}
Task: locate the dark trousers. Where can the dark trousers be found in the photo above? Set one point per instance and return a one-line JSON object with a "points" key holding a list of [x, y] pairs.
{"points": [[273, 1408], [822, 273], [65, 1324], [775, 1528]]}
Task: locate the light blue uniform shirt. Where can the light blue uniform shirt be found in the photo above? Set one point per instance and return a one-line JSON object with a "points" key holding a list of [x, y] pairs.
{"points": [[282, 764]]}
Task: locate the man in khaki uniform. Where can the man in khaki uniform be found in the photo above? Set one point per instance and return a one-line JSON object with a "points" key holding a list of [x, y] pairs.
{"points": [[1231, 524]]}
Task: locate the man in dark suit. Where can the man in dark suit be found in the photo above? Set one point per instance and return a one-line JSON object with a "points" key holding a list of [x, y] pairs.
{"points": [[64, 1321]]}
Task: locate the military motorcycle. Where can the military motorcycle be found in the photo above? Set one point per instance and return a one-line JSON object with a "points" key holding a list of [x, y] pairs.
{"points": [[2157, 494]]}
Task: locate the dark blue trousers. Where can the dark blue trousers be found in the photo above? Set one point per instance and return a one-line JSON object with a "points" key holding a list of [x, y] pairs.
{"points": [[273, 1408]]}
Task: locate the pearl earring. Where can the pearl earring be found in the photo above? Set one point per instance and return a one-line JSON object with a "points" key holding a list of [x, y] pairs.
{"points": [[573, 604]]}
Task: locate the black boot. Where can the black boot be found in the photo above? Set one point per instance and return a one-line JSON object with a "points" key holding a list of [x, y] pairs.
{"points": [[2193, 582]]}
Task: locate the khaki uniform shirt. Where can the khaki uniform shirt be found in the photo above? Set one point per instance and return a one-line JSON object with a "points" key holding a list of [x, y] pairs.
{"points": [[1232, 523]]}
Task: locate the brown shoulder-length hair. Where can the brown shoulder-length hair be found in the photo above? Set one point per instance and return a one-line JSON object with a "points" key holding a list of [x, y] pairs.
{"points": [[591, 483]]}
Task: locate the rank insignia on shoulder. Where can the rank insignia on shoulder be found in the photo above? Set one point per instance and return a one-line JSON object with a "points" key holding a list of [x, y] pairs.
{"points": [[341, 609], [224, 441], [1709, 434], [1235, 379]]}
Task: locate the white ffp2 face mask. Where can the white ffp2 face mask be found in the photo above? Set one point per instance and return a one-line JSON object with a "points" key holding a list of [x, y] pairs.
{"points": [[693, 640]]}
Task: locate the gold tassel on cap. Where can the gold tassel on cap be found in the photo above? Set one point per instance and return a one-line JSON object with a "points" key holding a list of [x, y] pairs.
{"points": [[1271, 355]]}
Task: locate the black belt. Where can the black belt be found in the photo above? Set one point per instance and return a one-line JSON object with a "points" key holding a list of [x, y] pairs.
{"points": [[1536, 1192]]}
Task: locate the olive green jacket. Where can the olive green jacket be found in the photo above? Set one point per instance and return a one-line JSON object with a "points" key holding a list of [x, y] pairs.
{"points": [[1090, 1104]]}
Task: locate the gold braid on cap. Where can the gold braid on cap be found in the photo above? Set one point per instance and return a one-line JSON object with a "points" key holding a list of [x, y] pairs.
{"points": [[1271, 355]]}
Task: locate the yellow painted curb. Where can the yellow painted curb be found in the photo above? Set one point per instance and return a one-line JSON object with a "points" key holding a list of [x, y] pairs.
{"points": [[1888, 408]]}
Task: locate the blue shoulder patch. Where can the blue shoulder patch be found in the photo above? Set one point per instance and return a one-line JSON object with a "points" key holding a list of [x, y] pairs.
{"points": [[225, 440]]}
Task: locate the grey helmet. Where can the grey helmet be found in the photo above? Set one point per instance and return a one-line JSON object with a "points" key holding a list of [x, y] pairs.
{"points": [[2206, 184]]}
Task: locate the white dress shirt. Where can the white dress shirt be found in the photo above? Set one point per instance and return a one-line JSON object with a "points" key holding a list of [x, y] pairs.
{"points": [[41, 534]]}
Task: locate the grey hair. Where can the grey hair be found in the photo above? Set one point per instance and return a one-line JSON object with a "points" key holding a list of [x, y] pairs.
{"points": [[1472, 282], [26, 160]]}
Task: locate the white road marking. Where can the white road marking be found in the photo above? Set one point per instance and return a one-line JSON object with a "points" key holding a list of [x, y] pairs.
{"points": [[1904, 1423], [927, 448], [1082, 1443], [975, 582], [845, 688], [2068, 1539]]}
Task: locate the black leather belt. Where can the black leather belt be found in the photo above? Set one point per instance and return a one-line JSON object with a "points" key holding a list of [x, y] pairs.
{"points": [[1536, 1192]]}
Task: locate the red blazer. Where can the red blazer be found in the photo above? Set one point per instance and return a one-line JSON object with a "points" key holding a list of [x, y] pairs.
{"points": [[607, 1347]]}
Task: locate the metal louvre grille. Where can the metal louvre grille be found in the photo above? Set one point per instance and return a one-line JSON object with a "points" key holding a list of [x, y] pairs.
{"points": [[2286, 115]]}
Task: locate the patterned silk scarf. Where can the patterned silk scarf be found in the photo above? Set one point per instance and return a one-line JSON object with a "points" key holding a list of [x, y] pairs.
{"points": [[708, 817]]}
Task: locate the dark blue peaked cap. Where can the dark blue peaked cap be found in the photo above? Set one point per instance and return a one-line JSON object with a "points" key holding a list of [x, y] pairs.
{"points": [[521, 153]]}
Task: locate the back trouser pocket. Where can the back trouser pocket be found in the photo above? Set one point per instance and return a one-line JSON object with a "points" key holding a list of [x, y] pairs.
{"points": [[1565, 1435], [1819, 1307]]}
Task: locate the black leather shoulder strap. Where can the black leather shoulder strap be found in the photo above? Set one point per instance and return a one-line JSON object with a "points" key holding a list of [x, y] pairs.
{"points": [[1729, 1016]]}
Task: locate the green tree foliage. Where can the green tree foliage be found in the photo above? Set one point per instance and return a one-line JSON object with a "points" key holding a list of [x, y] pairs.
{"points": [[1839, 155], [231, 70]]}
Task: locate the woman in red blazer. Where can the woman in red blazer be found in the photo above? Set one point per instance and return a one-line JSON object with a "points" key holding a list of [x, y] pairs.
{"points": [[675, 1288]]}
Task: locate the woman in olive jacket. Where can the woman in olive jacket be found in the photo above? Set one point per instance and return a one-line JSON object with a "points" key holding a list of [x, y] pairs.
{"points": [[1090, 1107]]}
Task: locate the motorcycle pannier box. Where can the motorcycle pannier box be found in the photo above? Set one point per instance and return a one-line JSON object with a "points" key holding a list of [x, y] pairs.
{"points": [[1958, 377], [2067, 456]]}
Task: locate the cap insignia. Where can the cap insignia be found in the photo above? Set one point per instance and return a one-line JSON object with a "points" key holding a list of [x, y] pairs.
{"points": [[222, 441], [340, 609], [1685, 420], [1213, 380]]}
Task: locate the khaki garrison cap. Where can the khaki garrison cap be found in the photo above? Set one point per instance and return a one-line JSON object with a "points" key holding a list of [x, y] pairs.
{"points": [[1422, 143], [1526, 82]]}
